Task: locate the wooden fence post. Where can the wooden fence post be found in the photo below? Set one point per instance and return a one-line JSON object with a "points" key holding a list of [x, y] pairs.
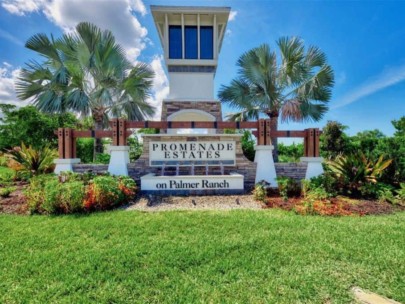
{"points": [[68, 143], [115, 132], [61, 146], [267, 140], [261, 132], [122, 130], [317, 133]]}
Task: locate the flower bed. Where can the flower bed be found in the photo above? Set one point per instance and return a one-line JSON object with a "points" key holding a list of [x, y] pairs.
{"points": [[72, 193]]}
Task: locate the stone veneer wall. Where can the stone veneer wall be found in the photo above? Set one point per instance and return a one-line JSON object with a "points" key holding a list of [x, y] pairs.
{"points": [[294, 170], [211, 107], [243, 165]]}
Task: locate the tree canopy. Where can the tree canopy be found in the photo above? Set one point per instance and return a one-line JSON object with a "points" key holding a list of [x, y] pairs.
{"points": [[87, 72]]}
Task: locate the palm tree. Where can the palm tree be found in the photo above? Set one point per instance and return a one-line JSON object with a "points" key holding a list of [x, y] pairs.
{"points": [[86, 72], [297, 88]]}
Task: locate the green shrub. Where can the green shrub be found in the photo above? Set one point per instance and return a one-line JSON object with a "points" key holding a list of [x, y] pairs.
{"points": [[5, 192], [386, 195], [3, 161], [72, 192], [85, 149], [260, 191], [401, 192], [248, 145], [103, 193], [288, 187], [6, 175], [320, 186], [64, 197], [334, 141], [290, 153], [35, 192], [29, 125], [102, 158], [373, 190]]}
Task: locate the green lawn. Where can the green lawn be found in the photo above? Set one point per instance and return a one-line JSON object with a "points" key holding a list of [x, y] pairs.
{"points": [[264, 256]]}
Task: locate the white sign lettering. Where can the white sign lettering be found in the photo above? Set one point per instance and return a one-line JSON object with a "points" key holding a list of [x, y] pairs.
{"points": [[152, 182]]}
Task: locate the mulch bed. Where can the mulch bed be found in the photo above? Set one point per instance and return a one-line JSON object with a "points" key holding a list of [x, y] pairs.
{"points": [[334, 206], [16, 204]]}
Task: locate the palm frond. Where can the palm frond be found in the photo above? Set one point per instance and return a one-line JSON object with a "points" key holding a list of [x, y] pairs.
{"points": [[41, 44]]}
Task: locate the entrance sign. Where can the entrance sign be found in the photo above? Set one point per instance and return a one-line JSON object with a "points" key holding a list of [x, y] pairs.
{"points": [[186, 153], [234, 181]]}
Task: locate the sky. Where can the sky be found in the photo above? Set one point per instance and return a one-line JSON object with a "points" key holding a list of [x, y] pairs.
{"points": [[364, 42]]}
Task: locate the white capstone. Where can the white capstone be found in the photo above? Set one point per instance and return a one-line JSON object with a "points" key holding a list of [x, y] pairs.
{"points": [[119, 160], [266, 169], [314, 167], [65, 164]]}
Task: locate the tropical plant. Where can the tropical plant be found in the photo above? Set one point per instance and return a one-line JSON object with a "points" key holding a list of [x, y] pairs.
{"points": [[296, 88], [35, 161], [353, 171], [87, 72]]}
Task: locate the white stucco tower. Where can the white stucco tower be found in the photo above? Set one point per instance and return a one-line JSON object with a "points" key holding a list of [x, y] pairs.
{"points": [[191, 38]]}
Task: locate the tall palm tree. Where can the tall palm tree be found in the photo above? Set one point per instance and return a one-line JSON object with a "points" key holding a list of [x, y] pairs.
{"points": [[297, 88], [85, 72]]}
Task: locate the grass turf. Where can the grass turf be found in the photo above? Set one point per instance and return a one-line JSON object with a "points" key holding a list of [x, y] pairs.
{"points": [[187, 257]]}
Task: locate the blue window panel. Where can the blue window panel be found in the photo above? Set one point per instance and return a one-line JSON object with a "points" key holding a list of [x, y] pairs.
{"points": [[175, 45], [191, 43], [206, 42]]}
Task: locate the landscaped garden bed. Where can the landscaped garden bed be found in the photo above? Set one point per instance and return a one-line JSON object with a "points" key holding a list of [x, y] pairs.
{"points": [[337, 206]]}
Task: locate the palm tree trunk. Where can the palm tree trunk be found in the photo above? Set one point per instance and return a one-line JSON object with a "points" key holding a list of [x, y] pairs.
{"points": [[273, 115], [98, 116]]}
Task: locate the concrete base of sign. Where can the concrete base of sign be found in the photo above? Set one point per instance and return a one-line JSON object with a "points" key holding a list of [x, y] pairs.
{"points": [[119, 160], [314, 166], [64, 165], [265, 165], [195, 184]]}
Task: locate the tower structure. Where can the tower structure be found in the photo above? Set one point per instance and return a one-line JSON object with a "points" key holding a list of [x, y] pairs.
{"points": [[191, 38]]}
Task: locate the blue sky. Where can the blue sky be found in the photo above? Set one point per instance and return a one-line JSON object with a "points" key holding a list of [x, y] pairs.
{"points": [[364, 42]]}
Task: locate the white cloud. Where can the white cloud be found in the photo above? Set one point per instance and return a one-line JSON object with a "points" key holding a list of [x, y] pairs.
{"points": [[21, 7], [160, 84], [138, 6], [116, 16], [387, 78], [8, 76], [113, 15], [232, 15]]}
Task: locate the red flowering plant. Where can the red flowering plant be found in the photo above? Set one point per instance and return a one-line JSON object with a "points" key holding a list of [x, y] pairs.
{"points": [[107, 192], [128, 186]]}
